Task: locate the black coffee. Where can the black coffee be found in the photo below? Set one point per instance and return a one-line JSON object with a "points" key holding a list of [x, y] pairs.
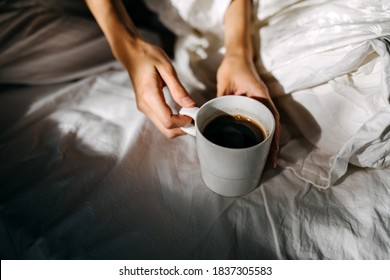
{"points": [[233, 132]]}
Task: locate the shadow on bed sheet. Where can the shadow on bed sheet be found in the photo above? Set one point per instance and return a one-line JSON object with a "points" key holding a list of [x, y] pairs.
{"points": [[65, 196], [294, 115], [62, 198], [16, 101]]}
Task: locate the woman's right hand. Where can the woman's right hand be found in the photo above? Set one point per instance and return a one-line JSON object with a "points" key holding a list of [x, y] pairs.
{"points": [[150, 71], [148, 66]]}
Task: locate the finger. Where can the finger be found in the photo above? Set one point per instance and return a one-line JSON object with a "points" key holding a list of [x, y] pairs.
{"points": [[178, 92], [259, 91], [274, 152], [152, 104], [221, 88], [173, 133], [276, 139], [169, 133]]}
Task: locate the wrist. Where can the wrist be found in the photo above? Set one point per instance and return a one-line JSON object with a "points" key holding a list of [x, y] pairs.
{"points": [[237, 27], [125, 45], [240, 52]]}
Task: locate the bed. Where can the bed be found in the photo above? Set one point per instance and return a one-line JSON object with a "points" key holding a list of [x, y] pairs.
{"points": [[85, 175]]}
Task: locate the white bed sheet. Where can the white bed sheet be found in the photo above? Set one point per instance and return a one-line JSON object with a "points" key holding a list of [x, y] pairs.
{"points": [[84, 175]]}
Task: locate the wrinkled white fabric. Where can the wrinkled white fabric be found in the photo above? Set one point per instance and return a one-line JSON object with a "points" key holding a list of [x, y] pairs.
{"points": [[85, 175], [184, 16], [333, 58], [32, 34], [318, 39]]}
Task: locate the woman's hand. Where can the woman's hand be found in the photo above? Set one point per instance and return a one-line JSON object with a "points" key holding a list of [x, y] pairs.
{"points": [[237, 75], [148, 66], [150, 70]]}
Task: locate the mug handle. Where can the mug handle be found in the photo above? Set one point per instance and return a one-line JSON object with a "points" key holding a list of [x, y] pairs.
{"points": [[191, 112]]}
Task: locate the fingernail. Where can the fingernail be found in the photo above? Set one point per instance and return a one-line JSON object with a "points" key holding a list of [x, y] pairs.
{"points": [[187, 101]]}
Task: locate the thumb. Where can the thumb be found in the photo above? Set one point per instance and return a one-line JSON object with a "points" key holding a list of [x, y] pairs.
{"points": [[221, 88]]}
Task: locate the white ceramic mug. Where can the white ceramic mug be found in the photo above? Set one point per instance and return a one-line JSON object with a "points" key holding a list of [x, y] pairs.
{"points": [[231, 171]]}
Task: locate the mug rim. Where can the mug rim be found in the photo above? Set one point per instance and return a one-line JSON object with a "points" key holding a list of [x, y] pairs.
{"points": [[247, 98]]}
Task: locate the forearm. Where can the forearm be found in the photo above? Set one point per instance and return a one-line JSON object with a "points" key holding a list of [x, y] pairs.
{"points": [[237, 29], [115, 23]]}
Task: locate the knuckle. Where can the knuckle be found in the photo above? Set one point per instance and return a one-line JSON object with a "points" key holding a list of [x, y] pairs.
{"points": [[143, 99], [173, 133], [277, 116], [168, 123], [169, 69], [167, 65], [170, 135], [141, 106]]}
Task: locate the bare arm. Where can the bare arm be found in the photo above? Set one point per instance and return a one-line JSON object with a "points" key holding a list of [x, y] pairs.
{"points": [[237, 73], [237, 29]]}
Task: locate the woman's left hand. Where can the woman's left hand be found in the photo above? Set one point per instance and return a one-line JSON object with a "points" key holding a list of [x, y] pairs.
{"points": [[237, 75]]}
